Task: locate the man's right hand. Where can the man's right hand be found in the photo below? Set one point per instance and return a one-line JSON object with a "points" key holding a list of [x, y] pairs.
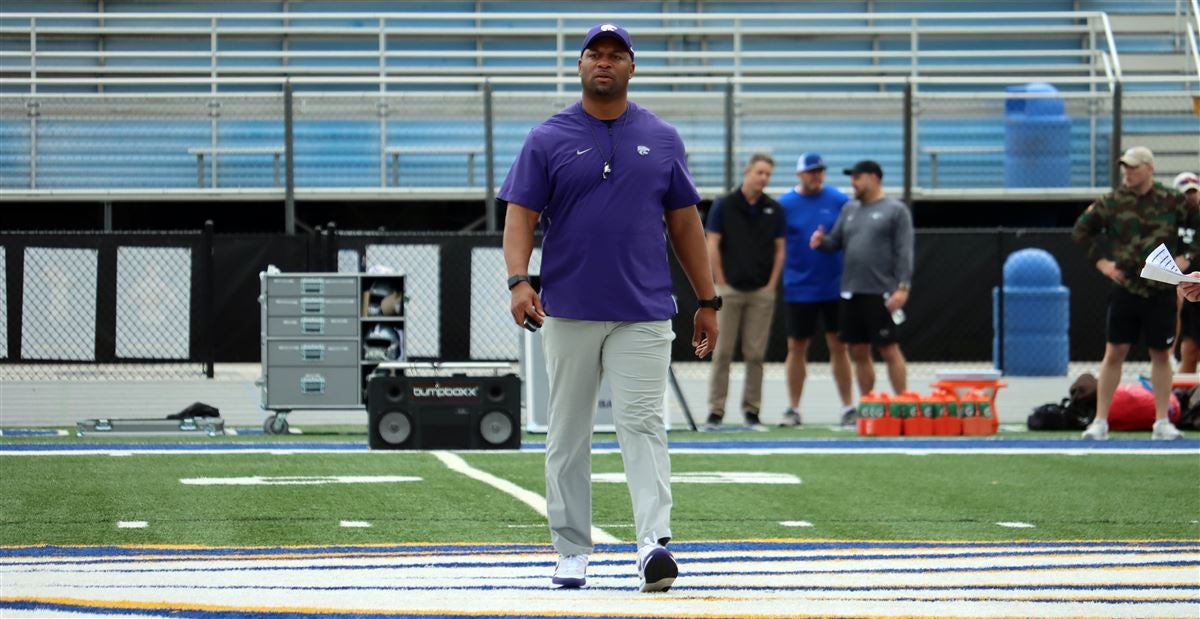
{"points": [[817, 236], [1109, 269], [526, 302]]}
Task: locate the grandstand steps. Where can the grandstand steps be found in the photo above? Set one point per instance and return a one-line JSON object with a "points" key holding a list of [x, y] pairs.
{"points": [[1143, 23], [1152, 43], [1156, 63]]}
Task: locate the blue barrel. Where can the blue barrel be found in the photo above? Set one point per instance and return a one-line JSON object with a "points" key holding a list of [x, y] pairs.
{"points": [[1037, 139], [1036, 316]]}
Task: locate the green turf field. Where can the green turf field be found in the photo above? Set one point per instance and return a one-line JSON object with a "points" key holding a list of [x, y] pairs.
{"points": [[79, 499]]}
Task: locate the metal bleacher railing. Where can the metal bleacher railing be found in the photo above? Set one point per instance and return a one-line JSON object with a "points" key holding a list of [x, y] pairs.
{"points": [[125, 105]]}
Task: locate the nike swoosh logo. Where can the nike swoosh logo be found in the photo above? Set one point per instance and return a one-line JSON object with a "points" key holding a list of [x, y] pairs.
{"points": [[580, 152]]}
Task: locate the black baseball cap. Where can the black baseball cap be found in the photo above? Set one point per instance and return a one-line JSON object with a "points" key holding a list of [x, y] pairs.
{"points": [[865, 166]]}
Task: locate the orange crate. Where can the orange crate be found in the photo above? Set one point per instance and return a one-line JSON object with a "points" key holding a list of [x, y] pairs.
{"points": [[961, 388], [947, 422], [978, 416], [908, 408], [874, 416]]}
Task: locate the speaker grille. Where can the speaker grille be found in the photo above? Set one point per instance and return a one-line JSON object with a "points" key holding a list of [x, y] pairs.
{"points": [[496, 427], [395, 427]]}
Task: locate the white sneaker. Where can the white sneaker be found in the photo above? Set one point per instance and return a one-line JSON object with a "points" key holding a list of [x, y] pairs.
{"points": [[1096, 431], [656, 567], [1164, 430], [571, 571]]}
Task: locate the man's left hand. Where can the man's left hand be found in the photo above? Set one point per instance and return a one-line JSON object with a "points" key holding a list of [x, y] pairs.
{"points": [[897, 299], [704, 331], [1190, 291]]}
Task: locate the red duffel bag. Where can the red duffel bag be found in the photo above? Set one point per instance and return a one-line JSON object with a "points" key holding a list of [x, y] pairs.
{"points": [[1133, 408]]}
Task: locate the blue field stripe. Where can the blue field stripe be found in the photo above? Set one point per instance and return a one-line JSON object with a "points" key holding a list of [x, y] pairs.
{"points": [[868, 444], [621, 583], [549, 561], [159, 552], [190, 613], [856, 444], [28, 432], [749, 557]]}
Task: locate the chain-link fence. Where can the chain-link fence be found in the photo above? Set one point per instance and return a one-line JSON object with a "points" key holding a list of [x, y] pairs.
{"points": [[436, 143], [114, 307], [1025, 137], [141, 306], [1168, 123]]}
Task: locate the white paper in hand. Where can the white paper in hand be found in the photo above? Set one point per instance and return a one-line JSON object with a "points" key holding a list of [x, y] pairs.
{"points": [[1161, 267]]}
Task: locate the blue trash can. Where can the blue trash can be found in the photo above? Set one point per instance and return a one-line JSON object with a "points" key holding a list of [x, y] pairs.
{"points": [[1036, 316], [1037, 139]]}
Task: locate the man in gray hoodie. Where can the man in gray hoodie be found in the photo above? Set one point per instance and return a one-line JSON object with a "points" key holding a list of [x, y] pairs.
{"points": [[876, 233]]}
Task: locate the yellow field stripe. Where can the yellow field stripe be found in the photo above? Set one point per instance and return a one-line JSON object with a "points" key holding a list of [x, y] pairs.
{"points": [[158, 606]]}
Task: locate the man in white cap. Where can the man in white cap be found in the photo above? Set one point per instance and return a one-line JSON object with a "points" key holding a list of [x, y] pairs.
{"points": [[1188, 183], [1118, 231]]}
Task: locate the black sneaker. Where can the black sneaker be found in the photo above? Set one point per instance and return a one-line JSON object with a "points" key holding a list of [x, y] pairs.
{"points": [[752, 422], [713, 423], [791, 419]]}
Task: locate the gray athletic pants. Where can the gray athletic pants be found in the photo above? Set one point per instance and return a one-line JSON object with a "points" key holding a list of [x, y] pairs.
{"points": [[634, 357]]}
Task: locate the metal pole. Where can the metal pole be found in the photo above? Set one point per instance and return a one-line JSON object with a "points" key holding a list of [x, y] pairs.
{"points": [[289, 147], [489, 156], [33, 106], [1115, 155], [210, 289], [331, 250], [729, 154], [1000, 299], [908, 142], [382, 106], [213, 105], [683, 405]]}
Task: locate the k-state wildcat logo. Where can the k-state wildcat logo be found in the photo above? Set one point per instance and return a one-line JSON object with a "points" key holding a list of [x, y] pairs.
{"points": [[643, 150], [438, 391]]}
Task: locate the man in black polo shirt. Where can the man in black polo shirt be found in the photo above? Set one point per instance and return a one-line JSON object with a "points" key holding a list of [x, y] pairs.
{"points": [[745, 245]]}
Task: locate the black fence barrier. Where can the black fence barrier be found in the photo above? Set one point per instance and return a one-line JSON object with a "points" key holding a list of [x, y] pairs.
{"points": [[118, 299], [75, 302]]}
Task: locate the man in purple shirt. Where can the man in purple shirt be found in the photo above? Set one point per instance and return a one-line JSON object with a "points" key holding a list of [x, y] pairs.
{"points": [[609, 183]]}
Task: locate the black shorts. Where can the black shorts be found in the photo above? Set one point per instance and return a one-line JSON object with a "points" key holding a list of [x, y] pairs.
{"points": [[1189, 321], [864, 319], [801, 318], [1131, 316]]}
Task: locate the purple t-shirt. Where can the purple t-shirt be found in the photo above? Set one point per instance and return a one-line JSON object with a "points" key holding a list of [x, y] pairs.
{"points": [[604, 243]]}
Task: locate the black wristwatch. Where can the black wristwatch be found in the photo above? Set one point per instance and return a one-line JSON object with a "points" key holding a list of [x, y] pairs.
{"points": [[516, 279], [713, 303]]}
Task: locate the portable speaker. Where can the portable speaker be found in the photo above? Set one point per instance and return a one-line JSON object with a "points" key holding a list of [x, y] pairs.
{"points": [[453, 412]]}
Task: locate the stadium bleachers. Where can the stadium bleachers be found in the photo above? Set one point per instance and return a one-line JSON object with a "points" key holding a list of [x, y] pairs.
{"points": [[126, 99]]}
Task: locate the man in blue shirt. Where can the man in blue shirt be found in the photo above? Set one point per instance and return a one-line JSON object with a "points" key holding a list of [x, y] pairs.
{"points": [[608, 181], [811, 283]]}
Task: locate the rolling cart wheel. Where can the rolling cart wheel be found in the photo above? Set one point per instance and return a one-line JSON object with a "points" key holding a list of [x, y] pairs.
{"points": [[275, 424]]}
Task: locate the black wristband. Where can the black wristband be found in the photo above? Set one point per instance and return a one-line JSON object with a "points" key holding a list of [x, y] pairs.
{"points": [[516, 279]]}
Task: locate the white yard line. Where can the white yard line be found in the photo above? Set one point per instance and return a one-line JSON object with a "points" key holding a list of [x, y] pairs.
{"points": [[537, 502], [747, 451]]}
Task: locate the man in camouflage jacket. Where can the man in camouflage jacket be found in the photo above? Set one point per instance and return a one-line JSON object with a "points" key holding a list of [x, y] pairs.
{"points": [[1118, 231]]}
